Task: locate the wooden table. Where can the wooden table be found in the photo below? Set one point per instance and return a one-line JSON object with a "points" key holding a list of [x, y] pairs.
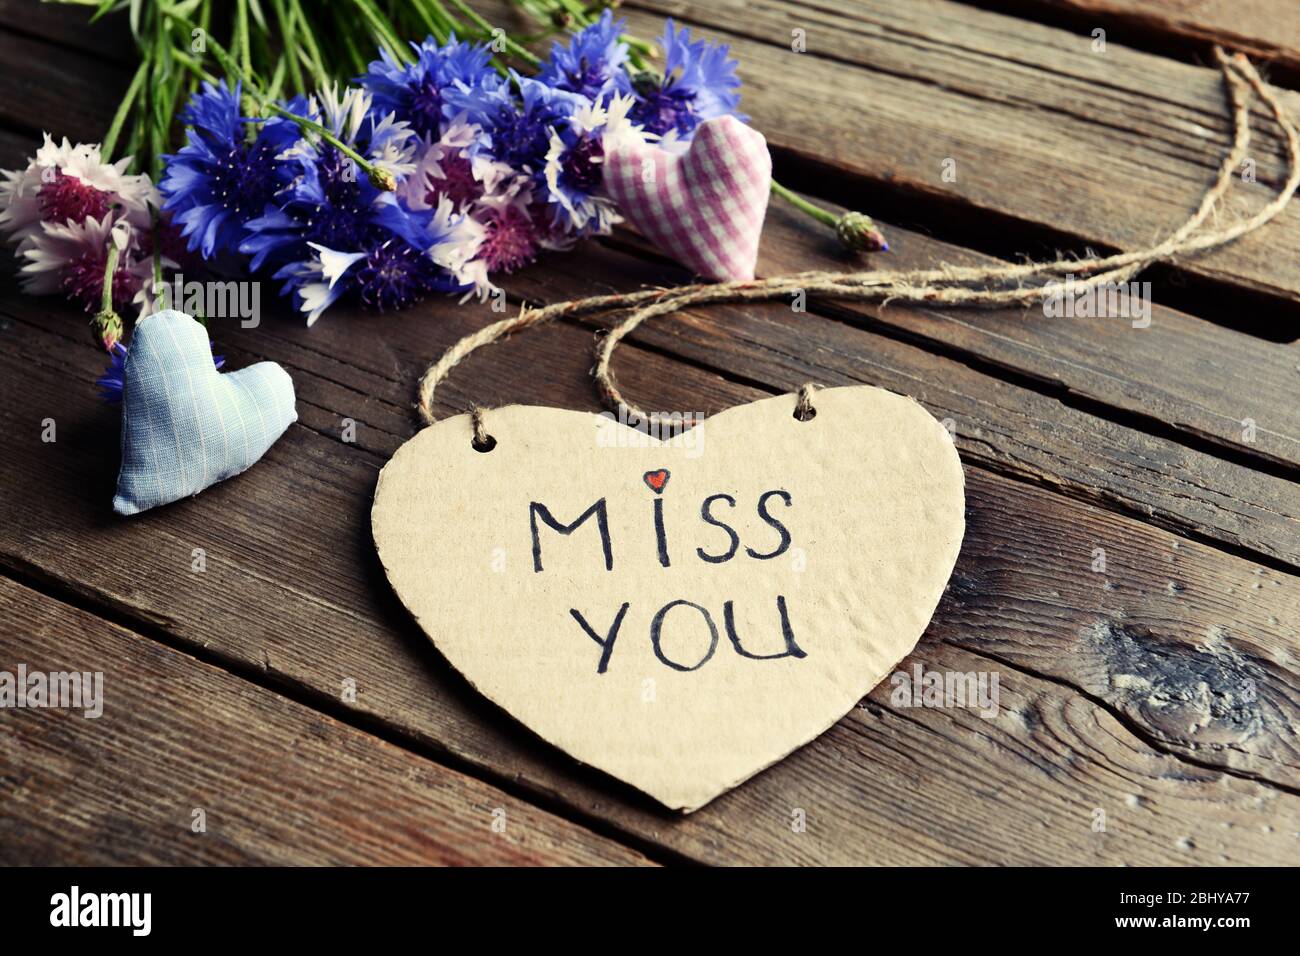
{"points": [[1159, 695]]}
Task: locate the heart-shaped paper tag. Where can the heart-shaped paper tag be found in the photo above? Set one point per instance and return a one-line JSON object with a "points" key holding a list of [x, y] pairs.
{"points": [[680, 637], [185, 425], [704, 208]]}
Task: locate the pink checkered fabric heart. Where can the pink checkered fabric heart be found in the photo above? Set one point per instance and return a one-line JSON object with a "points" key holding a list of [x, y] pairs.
{"points": [[704, 208]]}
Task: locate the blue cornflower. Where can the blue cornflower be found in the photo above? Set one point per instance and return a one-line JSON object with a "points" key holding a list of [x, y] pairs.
{"points": [[404, 257], [699, 83], [396, 274], [111, 383], [327, 202], [517, 126], [331, 233], [324, 199], [327, 207], [219, 180], [592, 63], [415, 92], [575, 167]]}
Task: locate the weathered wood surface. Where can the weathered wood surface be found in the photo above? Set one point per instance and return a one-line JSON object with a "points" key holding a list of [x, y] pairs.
{"points": [[107, 39], [1162, 690], [277, 782], [1180, 373], [1266, 29], [291, 539], [1112, 148]]}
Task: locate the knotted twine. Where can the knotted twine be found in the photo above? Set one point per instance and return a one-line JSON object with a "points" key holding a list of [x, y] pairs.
{"points": [[981, 286]]}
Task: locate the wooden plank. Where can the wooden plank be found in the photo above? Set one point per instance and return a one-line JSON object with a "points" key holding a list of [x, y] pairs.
{"points": [[62, 92], [68, 25], [1265, 29], [1263, 523], [290, 539], [541, 281], [1112, 149], [276, 782], [1196, 389], [308, 611]]}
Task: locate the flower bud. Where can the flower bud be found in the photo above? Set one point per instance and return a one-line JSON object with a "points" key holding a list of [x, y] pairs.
{"points": [[107, 328], [382, 179], [858, 232]]}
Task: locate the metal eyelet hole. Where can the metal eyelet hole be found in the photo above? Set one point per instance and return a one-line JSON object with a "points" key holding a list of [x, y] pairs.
{"points": [[805, 414], [486, 445]]}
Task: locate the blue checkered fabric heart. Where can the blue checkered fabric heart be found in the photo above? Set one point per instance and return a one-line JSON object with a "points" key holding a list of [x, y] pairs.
{"points": [[185, 425]]}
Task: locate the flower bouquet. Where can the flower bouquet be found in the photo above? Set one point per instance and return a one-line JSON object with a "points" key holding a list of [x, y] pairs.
{"points": [[283, 151]]}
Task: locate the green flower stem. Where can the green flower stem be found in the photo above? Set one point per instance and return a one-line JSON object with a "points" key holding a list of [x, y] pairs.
{"points": [[106, 324], [277, 79], [639, 52], [221, 53], [115, 129], [194, 65], [354, 51], [854, 230], [241, 33], [320, 75], [383, 30], [556, 15], [382, 178], [824, 216], [194, 80], [110, 267], [157, 246], [576, 9], [434, 22], [290, 41]]}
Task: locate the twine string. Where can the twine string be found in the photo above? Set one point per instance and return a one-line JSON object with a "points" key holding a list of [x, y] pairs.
{"points": [[946, 285]]}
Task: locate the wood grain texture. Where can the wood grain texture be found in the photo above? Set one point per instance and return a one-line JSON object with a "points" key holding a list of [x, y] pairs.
{"points": [[59, 91], [1162, 690], [68, 26], [1112, 148], [1252, 511], [1268, 30], [278, 783], [291, 539], [1182, 372]]}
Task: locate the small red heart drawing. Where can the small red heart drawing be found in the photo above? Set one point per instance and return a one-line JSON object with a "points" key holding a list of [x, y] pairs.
{"points": [[656, 480]]}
